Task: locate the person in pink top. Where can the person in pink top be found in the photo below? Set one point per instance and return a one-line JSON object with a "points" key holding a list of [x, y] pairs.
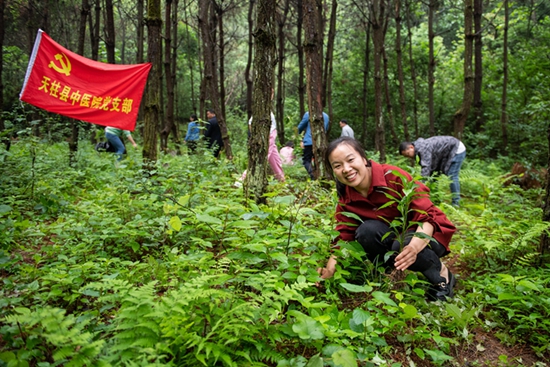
{"points": [[273, 156], [287, 153]]}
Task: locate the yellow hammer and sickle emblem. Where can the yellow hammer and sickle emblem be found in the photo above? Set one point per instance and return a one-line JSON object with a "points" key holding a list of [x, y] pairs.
{"points": [[65, 66]]}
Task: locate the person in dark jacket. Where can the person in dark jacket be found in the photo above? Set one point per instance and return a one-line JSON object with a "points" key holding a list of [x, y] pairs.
{"points": [[442, 154], [213, 133], [366, 208]]}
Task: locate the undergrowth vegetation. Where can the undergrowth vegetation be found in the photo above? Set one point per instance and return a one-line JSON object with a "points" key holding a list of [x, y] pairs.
{"points": [[106, 265]]}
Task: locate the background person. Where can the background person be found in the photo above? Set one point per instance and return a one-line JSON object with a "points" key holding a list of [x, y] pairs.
{"points": [[307, 141], [346, 129], [362, 186], [114, 136], [213, 134], [287, 153], [192, 136], [273, 157], [443, 154]]}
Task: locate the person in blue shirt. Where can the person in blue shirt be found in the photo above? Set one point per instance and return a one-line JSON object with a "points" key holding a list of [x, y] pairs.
{"points": [[307, 141], [192, 136]]}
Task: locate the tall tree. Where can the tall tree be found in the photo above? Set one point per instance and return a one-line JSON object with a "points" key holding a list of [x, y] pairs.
{"points": [[208, 24], [300, 51], [110, 31], [140, 32], [5, 140], [377, 17], [504, 102], [280, 107], [264, 72], [413, 71], [152, 107], [247, 73], [314, 83], [400, 76], [218, 8], [461, 115], [94, 30], [478, 64], [431, 64], [169, 80], [327, 71], [191, 60]]}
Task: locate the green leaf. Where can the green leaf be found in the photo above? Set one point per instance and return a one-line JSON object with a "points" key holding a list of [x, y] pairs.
{"points": [[5, 209], [208, 219], [360, 316], [308, 328], [175, 223], [383, 297], [356, 288], [344, 358], [315, 361]]}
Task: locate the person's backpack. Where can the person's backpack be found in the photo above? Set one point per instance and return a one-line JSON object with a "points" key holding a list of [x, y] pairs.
{"points": [[104, 146]]}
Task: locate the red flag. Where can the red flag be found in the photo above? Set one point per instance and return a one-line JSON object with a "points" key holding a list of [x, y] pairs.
{"points": [[63, 82]]}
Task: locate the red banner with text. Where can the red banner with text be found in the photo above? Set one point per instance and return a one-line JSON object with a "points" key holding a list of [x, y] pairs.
{"points": [[63, 82]]}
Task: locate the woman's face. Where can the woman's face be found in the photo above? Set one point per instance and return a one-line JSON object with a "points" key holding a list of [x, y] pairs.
{"points": [[349, 167]]}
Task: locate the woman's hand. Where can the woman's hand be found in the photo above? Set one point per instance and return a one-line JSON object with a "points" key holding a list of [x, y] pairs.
{"points": [[406, 258], [328, 271]]}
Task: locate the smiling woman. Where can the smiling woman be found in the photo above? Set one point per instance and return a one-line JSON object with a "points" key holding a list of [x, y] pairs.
{"points": [[366, 188]]}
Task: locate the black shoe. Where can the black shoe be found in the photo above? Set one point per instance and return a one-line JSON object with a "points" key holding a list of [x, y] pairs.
{"points": [[442, 290]]}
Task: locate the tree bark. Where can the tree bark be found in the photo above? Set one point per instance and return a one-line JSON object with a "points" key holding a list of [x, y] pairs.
{"points": [[377, 11], [478, 65], [221, 48], [462, 114], [190, 59], [140, 32], [152, 96], [413, 74], [247, 73], [327, 71], [207, 25], [314, 83], [504, 113], [400, 76], [300, 50], [280, 106], [264, 72], [364, 98], [5, 139], [431, 64], [110, 32], [169, 111], [94, 30]]}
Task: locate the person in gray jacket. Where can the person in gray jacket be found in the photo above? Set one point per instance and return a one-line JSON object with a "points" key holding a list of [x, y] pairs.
{"points": [[443, 154]]}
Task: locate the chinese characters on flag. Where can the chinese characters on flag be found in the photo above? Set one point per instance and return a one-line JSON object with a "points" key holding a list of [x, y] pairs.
{"points": [[63, 82]]}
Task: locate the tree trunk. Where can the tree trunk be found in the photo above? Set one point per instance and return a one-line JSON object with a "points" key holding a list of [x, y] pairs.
{"points": [[219, 11], [545, 238], [94, 30], [5, 139], [264, 63], [140, 32], [461, 115], [173, 70], [389, 105], [400, 76], [431, 64], [478, 65], [364, 98], [169, 111], [110, 32], [207, 25], [314, 83], [152, 96], [300, 50], [327, 74], [190, 59], [280, 106], [377, 10], [247, 74], [413, 74], [504, 113]]}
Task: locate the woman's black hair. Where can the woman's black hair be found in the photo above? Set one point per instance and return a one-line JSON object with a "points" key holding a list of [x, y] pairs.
{"points": [[289, 143], [355, 145], [194, 117]]}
